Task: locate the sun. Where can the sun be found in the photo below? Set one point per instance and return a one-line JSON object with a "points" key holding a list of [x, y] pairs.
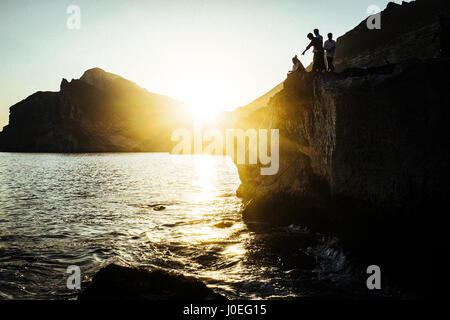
{"points": [[202, 110], [205, 96]]}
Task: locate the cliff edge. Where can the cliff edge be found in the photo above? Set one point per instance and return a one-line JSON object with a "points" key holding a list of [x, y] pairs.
{"points": [[363, 154]]}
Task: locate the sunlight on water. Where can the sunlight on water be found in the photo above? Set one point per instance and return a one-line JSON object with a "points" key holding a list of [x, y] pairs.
{"points": [[153, 210], [236, 250], [205, 169], [159, 210]]}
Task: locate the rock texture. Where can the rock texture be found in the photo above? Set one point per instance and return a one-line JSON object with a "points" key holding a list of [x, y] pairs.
{"points": [[407, 31], [362, 154], [100, 112], [115, 282], [376, 136]]}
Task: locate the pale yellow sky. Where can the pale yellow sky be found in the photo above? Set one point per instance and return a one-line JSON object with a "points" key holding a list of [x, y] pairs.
{"points": [[215, 53]]}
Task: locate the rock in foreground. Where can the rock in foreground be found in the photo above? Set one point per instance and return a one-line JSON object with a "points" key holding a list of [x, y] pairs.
{"points": [[115, 282]]}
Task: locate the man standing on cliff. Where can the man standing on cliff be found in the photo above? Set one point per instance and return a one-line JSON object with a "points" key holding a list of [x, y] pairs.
{"points": [[330, 48], [318, 35], [318, 60]]}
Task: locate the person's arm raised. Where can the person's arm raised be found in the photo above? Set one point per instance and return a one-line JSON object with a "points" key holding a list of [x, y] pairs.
{"points": [[307, 48]]}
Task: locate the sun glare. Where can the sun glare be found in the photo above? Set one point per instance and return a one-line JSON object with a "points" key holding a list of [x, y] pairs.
{"points": [[206, 96], [202, 110], [206, 170]]}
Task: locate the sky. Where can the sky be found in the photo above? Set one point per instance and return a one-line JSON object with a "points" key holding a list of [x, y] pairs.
{"points": [[221, 53]]}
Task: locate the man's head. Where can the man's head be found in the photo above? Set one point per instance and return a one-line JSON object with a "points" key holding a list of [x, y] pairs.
{"points": [[316, 32], [330, 36], [310, 36]]}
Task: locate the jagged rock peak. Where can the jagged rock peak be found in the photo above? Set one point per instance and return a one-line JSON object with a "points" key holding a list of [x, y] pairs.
{"points": [[98, 77], [64, 83]]}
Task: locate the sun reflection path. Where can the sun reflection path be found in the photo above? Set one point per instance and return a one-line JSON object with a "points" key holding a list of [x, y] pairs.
{"points": [[205, 168], [212, 234]]}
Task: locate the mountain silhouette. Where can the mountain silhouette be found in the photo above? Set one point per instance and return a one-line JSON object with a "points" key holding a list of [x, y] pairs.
{"points": [[100, 112], [258, 103]]}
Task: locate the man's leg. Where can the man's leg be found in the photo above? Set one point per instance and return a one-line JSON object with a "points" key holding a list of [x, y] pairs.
{"points": [[322, 63], [330, 64], [315, 66], [319, 62]]}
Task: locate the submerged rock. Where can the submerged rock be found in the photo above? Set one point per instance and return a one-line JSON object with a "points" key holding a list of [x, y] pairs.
{"points": [[115, 282], [224, 224]]}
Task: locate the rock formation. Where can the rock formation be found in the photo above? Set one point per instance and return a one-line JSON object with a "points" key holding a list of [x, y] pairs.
{"points": [[100, 112], [407, 31], [364, 153], [115, 282]]}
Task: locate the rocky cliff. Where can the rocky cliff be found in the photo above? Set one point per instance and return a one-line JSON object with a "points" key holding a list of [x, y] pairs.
{"points": [[373, 135], [407, 31], [362, 154], [99, 112]]}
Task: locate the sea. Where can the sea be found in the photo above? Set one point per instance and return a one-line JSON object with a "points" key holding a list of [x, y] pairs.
{"points": [[153, 210]]}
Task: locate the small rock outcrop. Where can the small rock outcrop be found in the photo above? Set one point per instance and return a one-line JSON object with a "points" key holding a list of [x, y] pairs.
{"points": [[115, 282]]}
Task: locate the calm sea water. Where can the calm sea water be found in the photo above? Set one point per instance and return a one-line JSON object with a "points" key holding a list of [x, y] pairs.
{"points": [[178, 213]]}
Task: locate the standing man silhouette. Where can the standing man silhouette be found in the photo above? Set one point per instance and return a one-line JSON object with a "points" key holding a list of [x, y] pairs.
{"points": [[318, 60], [330, 48], [317, 34], [321, 63]]}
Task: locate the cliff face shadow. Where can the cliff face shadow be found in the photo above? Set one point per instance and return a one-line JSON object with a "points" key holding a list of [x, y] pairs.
{"points": [[362, 158], [332, 253]]}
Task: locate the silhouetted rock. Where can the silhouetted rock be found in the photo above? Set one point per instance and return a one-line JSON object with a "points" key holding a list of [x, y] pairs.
{"points": [[100, 112], [115, 282], [362, 154], [407, 31]]}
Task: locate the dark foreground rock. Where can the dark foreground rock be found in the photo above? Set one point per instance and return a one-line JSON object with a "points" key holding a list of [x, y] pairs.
{"points": [[115, 282]]}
